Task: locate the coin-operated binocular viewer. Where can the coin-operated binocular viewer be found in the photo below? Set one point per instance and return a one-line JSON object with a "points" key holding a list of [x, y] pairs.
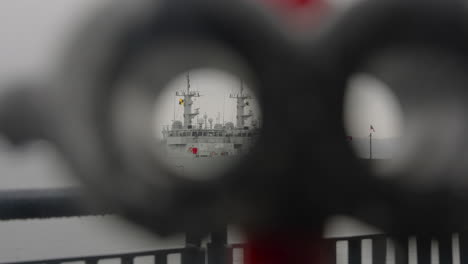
{"points": [[122, 111]]}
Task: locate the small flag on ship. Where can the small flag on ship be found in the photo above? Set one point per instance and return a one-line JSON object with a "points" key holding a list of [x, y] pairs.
{"points": [[372, 128], [181, 101]]}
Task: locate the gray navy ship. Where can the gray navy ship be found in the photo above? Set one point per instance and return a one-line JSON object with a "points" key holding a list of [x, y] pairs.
{"points": [[203, 147]]}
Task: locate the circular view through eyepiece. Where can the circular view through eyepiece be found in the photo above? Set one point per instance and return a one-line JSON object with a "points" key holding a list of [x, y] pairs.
{"points": [[373, 120], [205, 121], [372, 110], [409, 121]]}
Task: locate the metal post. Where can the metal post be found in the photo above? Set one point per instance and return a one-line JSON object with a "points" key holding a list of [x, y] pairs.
{"points": [[401, 250], [160, 258], [463, 246], [217, 250], [370, 145], [127, 260], [193, 253], [445, 249], [92, 261], [379, 250], [329, 252], [354, 251], [423, 248]]}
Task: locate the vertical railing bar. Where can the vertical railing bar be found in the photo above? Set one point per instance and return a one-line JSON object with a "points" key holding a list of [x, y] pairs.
{"points": [[401, 249], [354, 251], [423, 249], [127, 259], [379, 250], [330, 252], [445, 249], [160, 258]]}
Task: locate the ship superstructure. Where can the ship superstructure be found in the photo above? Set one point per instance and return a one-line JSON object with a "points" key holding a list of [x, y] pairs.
{"points": [[203, 139]]}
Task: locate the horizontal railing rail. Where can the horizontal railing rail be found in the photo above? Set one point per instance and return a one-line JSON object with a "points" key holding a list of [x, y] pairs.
{"points": [[46, 203], [160, 257]]}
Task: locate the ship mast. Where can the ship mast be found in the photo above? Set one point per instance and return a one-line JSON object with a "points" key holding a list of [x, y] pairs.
{"points": [[188, 102], [241, 104]]}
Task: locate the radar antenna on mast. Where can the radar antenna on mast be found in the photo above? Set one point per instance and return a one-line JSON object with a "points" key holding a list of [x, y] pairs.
{"points": [[241, 104], [188, 81], [187, 102]]}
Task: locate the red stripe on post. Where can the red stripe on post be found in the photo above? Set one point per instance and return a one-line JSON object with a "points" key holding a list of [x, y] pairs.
{"points": [[286, 249]]}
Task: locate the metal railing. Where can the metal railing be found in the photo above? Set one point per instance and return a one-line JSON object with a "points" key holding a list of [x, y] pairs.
{"points": [[375, 249], [379, 249]]}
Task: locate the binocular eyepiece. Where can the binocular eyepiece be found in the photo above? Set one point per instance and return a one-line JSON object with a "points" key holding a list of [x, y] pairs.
{"points": [[189, 115]]}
